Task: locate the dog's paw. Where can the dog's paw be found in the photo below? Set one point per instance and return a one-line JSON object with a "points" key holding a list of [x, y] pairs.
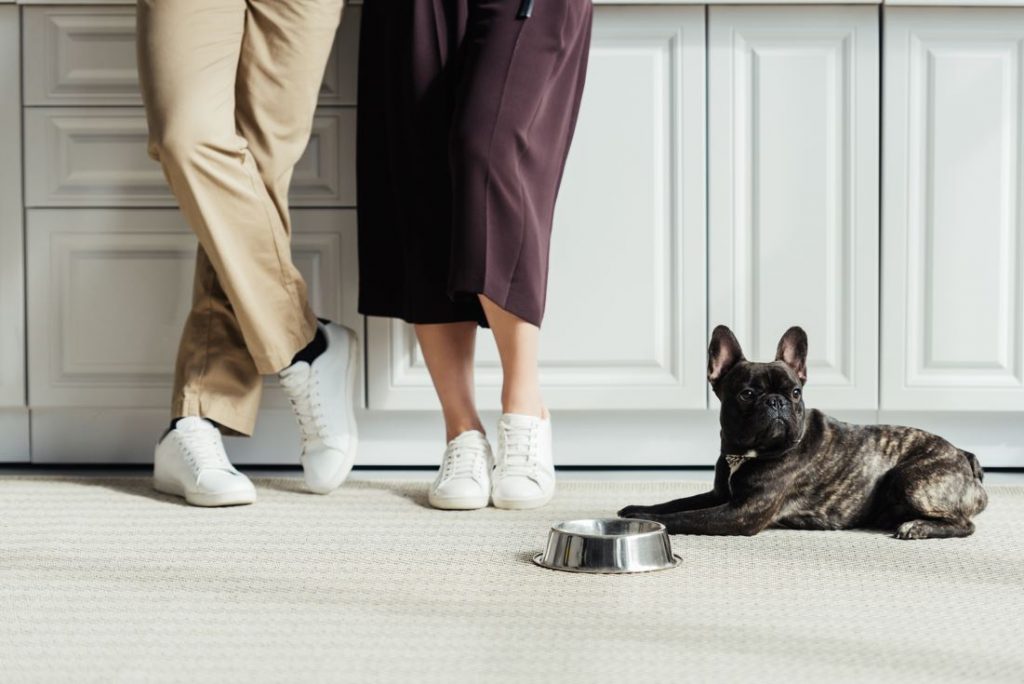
{"points": [[637, 512], [631, 512], [913, 529]]}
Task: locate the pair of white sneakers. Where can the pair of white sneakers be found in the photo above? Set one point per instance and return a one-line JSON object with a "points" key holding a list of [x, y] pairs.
{"points": [[521, 475], [191, 461]]}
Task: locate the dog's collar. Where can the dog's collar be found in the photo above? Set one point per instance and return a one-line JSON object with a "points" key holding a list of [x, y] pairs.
{"points": [[736, 460]]}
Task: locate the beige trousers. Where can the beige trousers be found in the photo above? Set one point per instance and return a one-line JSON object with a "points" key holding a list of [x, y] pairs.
{"points": [[230, 88]]}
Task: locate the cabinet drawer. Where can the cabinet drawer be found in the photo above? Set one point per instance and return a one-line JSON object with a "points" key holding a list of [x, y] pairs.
{"points": [[110, 291], [96, 156], [86, 56]]}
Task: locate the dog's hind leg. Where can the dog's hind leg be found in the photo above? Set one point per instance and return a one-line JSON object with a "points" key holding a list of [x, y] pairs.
{"points": [[934, 529], [936, 496]]}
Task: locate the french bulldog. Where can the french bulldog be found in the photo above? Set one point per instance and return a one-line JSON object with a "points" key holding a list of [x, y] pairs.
{"points": [[784, 465]]}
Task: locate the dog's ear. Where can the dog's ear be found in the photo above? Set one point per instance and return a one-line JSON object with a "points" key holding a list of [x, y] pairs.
{"points": [[793, 352], [723, 353]]}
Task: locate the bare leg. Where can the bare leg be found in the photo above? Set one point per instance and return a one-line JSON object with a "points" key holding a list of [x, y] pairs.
{"points": [[448, 349], [518, 342]]}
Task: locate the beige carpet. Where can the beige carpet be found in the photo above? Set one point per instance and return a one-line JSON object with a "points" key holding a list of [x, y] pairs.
{"points": [[105, 581]]}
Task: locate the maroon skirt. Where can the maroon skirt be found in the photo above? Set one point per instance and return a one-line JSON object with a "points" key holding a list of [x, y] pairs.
{"points": [[466, 112]]}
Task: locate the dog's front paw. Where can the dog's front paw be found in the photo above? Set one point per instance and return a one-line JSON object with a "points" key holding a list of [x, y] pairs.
{"points": [[632, 512]]}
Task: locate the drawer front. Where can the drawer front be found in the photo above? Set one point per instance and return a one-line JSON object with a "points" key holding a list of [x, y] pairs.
{"points": [[86, 56], [110, 290], [96, 156]]}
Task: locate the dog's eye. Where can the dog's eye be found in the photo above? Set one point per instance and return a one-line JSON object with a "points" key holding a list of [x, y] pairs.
{"points": [[747, 394], [797, 393]]}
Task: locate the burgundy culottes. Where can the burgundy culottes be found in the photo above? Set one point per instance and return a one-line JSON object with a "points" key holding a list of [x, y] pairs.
{"points": [[466, 112]]}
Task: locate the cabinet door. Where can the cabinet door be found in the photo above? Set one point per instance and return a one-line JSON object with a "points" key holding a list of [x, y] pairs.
{"points": [[953, 251], [110, 290], [626, 307], [793, 196], [12, 274]]}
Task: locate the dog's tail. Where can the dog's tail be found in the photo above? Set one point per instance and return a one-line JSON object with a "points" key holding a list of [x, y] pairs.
{"points": [[979, 474]]}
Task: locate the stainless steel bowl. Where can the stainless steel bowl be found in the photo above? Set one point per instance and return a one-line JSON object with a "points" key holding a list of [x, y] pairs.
{"points": [[608, 545]]}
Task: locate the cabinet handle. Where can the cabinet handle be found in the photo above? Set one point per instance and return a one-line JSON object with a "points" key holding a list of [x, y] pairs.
{"points": [[525, 9]]}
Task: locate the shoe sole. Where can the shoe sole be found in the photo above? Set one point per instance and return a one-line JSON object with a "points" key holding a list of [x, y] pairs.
{"points": [[350, 388], [241, 498], [523, 504], [457, 503]]}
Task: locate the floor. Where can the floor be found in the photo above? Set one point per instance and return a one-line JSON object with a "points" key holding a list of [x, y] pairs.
{"points": [[104, 580]]}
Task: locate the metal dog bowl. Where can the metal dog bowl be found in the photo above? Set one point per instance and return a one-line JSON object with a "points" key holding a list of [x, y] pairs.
{"points": [[608, 545]]}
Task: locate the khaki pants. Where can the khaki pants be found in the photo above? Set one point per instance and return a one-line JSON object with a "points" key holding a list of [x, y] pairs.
{"points": [[230, 88]]}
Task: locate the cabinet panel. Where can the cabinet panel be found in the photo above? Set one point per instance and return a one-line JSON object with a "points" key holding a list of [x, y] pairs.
{"points": [[12, 274], [110, 291], [86, 56], [793, 174], [14, 430], [954, 210], [626, 314], [341, 76], [96, 156]]}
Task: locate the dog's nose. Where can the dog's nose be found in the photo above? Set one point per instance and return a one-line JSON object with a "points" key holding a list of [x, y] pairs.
{"points": [[775, 401]]}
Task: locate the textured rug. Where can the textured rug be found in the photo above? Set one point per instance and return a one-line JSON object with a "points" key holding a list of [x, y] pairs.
{"points": [[104, 580]]}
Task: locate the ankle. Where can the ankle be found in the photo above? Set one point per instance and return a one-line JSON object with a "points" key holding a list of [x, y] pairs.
{"points": [[525, 407], [316, 347], [174, 423], [455, 428]]}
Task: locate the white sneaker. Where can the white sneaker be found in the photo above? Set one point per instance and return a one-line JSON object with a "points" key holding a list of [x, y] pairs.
{"points": [[190, 461], [464, 479], [321, 397], [524, 473]]}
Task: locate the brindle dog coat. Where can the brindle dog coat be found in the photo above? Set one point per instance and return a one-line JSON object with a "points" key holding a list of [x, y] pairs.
{"points": [[787, 466]]}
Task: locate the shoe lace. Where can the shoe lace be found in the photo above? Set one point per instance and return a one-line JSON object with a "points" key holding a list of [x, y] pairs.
{"points": [[204, 449], [521, 454], [302, 386], [463, 460]]}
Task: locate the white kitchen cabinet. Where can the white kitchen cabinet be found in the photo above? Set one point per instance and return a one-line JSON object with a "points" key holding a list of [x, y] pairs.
{"points": [[793, 188], [953, 249], [97, 157], [12, 350], [13, 412], [726, 169], [85, 55], [626, 312], [109, 291]]}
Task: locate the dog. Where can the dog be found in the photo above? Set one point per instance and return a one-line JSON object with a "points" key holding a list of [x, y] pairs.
{"points": [[786, 466]]}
